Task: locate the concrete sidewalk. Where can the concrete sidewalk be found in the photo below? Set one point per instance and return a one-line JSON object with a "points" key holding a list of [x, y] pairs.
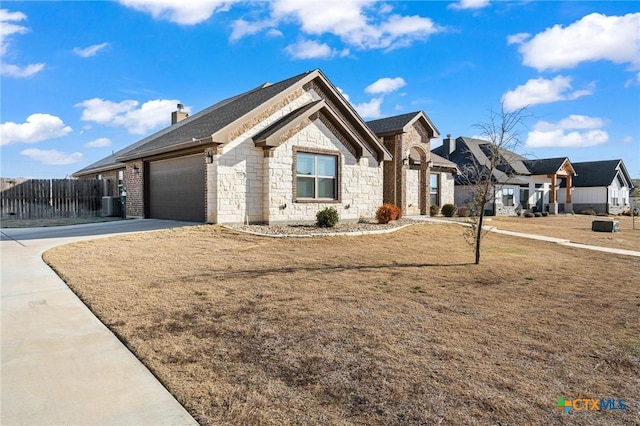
{"points": [[560, 241], [60, 364]]}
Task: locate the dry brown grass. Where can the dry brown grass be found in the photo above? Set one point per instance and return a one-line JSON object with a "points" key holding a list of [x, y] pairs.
{"points": [[387, 329], [576, 228]]}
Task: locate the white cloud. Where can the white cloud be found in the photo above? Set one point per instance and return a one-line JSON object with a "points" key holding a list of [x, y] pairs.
{"points": [[180, 12], [594, 37], [385, 85], [98, 143], [52, 157], [370, 109], [358, 23], [149, 115], [469, 4], [10, 70], [38, 127], [309, 49], [543, 91], [574, 131], [89, 51], [518, 38], [8, 27]]}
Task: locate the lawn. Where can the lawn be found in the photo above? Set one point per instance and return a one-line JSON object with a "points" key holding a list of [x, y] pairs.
{"points": [[576, 228], [398, 328]]}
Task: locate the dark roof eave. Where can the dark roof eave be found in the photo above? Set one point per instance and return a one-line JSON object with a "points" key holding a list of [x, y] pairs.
{"points": [[95, 170], [203, 142]]}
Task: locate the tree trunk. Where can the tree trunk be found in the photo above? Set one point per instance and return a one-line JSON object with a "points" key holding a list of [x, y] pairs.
{"points": [[479, 235]]}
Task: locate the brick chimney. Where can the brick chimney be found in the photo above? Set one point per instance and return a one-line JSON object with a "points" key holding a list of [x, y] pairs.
{"points": [[449, 146], [179, 115]]}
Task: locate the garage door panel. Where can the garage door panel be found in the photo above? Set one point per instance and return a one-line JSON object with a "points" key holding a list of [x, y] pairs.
{"points": [[176, 189]]}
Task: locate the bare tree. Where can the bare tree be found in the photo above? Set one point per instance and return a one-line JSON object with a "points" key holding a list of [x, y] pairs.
{"points": [[491, 167]]}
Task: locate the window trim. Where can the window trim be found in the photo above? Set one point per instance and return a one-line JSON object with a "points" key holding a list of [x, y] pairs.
{"points": [[511, 195], [437, 191], [317, 151]]}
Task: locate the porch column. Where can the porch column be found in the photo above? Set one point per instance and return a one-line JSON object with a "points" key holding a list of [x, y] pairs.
{"points": [[424, 189], [568, 205], [553, 204]]}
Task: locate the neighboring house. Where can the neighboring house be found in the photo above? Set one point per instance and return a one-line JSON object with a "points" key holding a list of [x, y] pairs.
{"points": [[442, 182], [521, 184], [275, 154], [407, 177], [602, 186]]}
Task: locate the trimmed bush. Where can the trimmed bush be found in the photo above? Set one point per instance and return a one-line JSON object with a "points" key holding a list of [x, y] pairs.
{"points": [[388, 212], [464, 211], [537, 214], [434, 210], [545, 214], [529, 214], [327, 218], [588, 212], [449, 210]]}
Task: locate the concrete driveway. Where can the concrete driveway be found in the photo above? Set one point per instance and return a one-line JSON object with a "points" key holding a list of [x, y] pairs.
{"points": [[60, 364]]}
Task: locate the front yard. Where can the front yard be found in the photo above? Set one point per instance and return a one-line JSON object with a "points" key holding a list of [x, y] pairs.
{"points": [[399, 328]]}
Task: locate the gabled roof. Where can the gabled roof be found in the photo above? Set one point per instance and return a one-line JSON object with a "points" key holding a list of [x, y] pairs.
{"points": [[599, 173], [468, 149], [215, 125], [402, 123], [547, 166]]}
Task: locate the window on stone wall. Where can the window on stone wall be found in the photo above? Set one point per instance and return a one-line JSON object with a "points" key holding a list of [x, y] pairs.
{"points": [[434, 189], [316, 176], [507, 197], [614, 197]]}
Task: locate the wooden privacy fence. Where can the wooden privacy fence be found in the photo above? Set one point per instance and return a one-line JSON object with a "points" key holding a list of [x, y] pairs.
{"points": [[50, 198]]}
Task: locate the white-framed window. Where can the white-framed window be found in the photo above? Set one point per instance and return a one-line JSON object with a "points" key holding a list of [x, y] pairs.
{"points": [[434, 189], [120, 182], [614, 197], [507, 197], [316, 176]]}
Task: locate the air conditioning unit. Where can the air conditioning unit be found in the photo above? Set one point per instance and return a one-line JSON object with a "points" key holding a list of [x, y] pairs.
{"points": [[111, 206]]}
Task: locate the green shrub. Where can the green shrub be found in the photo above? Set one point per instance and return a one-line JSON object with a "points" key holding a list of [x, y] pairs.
{"points": [[537, 214], [464, 211], [545, 214], [327, 218], [589, 212], [434, 210], [529, 214], [449, 210], [388, 212]]}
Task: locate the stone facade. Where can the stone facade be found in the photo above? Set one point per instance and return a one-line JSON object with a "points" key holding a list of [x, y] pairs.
{"points": [[248, 184]]}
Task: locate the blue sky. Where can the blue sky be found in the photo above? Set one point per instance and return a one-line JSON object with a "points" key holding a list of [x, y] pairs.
{"points": [[82, 79]]}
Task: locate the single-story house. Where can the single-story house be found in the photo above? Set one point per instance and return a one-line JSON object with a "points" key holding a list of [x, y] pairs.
{"points": [[407, 178], [521, 184], [277, 153], [602, 186]]}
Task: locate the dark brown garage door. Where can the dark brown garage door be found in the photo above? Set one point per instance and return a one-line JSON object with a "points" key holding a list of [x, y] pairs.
{"points": [[176, 188]]}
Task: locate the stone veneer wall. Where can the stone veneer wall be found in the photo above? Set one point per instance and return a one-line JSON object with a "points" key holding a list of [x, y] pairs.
{"points": [[412, 192], [447, 189], [360, 181], [248, 184], [235, 183], [135, 190]]}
